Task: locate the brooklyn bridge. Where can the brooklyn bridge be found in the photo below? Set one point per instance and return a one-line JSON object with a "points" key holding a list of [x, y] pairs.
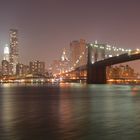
{"points": [[99, 57]]}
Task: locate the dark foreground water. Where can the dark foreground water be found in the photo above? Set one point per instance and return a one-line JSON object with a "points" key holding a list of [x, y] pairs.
{"points": [[69, 112]]}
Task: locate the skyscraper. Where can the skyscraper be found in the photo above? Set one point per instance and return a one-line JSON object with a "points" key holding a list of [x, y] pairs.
{"points": [[6, 53], [78, 51], [14, 56]]}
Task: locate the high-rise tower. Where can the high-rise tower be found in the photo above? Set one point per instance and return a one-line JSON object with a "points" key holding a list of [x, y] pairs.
{"points": [[6, 53], [14, 56], [77, 50]]}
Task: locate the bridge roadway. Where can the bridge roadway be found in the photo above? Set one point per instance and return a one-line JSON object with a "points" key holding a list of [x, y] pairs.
{"points": [[96, 73]]}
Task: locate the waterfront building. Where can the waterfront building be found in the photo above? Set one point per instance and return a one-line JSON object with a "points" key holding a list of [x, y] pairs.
{"points": [[22, 70], [14, 54], [5, 68], [120, 72], [37, 67]]}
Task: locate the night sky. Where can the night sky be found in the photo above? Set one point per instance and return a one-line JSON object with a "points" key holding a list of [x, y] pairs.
{"points": [[47, 26]]}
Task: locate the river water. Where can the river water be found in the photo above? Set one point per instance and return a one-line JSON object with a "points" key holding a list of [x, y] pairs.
{"points": [[69, 112]]}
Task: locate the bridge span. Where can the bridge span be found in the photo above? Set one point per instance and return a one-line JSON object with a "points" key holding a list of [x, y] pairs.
{"points": [[96, 72]]}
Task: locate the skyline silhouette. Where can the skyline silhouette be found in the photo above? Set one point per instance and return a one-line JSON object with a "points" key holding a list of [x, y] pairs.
{"points": [[47, 26]]}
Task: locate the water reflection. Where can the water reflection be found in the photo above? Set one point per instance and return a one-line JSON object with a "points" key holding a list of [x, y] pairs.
{"points": [[135, 90], [69, 111]]}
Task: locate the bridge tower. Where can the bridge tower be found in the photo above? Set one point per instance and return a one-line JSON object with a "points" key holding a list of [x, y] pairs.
{"points": [[96, 72]]}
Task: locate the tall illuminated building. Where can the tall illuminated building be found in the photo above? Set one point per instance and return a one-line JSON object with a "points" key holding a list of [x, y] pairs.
{"points": [[6, 53], [14, 55], [78, 53]]}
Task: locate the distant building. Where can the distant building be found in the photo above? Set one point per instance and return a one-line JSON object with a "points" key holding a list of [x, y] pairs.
{"points": [[22, 70], [55, 67], [14, 54], [64, 56], [37, 67], [64, 62], [78, 55], [62, 65], [120, 72], [5, 68]]}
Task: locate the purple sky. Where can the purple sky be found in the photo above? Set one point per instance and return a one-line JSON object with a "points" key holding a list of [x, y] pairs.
{"points": [[47, 26]]}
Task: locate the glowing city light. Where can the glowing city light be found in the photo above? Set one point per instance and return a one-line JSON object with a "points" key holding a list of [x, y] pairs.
{"points": [[6, 49]]}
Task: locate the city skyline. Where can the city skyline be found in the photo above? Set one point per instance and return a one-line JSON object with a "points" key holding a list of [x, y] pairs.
{"points": [[49, 26]]}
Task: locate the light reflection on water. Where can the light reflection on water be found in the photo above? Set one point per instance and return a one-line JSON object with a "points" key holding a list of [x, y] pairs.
{"points": [[69, 111]]}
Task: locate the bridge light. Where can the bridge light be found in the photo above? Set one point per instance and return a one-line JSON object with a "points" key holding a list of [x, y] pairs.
{"points": [[77, 61], [96, 46], [91, 44], [101, 47], [108, 46], [110, 55]]}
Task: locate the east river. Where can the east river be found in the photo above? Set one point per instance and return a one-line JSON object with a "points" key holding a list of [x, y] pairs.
{"points": [[69, 112]]}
